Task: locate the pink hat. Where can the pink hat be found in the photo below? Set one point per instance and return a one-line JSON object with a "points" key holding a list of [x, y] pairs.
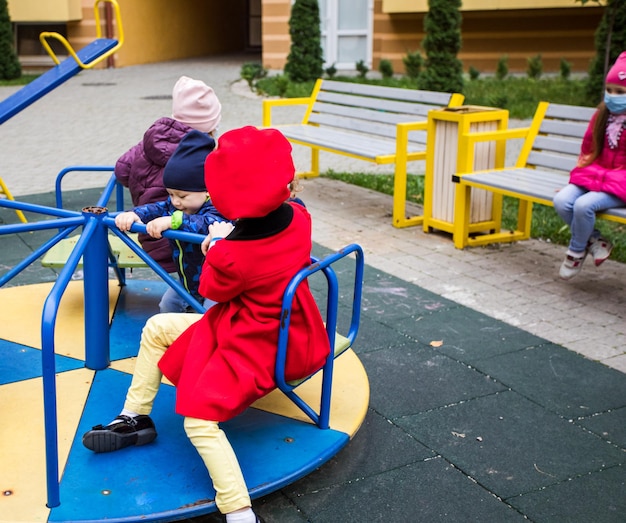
{"points": [[248, 172], [194, 103], [617, 73]]}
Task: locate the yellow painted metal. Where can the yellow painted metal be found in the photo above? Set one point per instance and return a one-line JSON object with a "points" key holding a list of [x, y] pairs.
{"points": [[5, 190], [44, 36], [20, 304], [457, 129], [350, 397], [462, 231], [400, 158], [23, 471], [268, 105], [126, 259]]}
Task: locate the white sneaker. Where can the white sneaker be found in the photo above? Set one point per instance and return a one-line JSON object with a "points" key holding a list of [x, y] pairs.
{"points": [[571, 266], [600, 249]]}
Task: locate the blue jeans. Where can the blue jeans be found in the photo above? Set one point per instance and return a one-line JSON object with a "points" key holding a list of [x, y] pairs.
{"points": [[172, 302], [577, 207]]}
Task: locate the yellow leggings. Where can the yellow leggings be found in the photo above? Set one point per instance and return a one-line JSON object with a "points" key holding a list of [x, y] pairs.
{"points": [[210, 441]]}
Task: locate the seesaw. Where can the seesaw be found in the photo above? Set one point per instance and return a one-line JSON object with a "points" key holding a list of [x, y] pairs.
{"points": [[68, 348], [86, 58]]}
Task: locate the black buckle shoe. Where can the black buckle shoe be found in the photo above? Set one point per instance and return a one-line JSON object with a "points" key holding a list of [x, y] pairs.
{"points": [[123, 432]]}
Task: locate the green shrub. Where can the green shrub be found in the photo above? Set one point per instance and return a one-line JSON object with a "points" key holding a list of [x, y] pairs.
{"points": [[282, 84], [10, 68], [251, 72], [473, 73], [535, 67], [442, 43], [331, 71], [502, 69], [565, 69], [305, 59], [362, 68], [385, 67], [610, 41], [413, 64]]}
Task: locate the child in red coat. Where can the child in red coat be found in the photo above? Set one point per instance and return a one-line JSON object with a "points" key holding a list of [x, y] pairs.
{"points": [[225, 360]]}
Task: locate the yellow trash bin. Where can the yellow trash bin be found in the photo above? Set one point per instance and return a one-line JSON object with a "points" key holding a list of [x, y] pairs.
{"points": [[450, 150]]}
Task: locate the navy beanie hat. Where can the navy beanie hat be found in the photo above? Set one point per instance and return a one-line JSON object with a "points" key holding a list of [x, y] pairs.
{"points": [[184, 171]]}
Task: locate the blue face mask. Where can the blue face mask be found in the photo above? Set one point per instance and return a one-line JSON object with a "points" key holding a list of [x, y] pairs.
{"points": [[615, 103]]}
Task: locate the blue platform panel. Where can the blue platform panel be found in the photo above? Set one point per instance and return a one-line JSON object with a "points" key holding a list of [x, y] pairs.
{"points": [[20, 362], [138, 300], [52, 78], [167, 479]]}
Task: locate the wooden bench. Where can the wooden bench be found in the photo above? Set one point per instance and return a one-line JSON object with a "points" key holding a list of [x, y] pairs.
{"points": [[550, 151], [383, 125]]}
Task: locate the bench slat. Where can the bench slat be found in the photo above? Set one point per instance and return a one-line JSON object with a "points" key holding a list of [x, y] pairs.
{"points": [[570, 112], [527, 182], [562, 163], [365, 146], [563, 128], [415, 111], [388, 93], [367, 127], [557, 144], [362, 113]]}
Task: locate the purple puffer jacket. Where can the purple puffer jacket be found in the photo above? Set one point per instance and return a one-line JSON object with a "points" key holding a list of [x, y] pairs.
{"points": [[141, 170], [607, 173]]}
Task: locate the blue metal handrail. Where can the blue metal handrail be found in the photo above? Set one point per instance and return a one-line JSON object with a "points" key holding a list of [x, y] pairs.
{"points": [[322, 418]]}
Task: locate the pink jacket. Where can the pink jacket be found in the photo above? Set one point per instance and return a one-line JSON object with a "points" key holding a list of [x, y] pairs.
{"points": [[607, 173], [141, 170]]}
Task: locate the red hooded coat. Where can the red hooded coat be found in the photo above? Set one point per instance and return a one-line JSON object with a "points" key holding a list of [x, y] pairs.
{"points": [[225, 361]]}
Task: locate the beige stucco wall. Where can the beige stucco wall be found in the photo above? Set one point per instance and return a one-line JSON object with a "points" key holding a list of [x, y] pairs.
{"points": [[556, 34], [157, 30], [160, 30], [44, 10]]}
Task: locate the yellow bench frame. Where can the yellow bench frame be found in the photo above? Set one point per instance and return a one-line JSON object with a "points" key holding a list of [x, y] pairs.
{"points": [[367, 122], [550, 150]]}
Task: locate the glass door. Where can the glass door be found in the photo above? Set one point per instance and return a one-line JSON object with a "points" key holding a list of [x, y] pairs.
{"points": [[346, 32]]}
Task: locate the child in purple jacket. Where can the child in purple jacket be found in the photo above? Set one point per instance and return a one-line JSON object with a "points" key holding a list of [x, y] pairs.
{"points": [[194, 106]]}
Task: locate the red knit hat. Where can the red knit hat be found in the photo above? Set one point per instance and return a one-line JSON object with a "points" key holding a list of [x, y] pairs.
{"points": [[617, 73], [248, 172]]}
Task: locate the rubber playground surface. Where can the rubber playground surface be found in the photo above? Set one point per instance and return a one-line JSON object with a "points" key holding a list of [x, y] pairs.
{"points": [[469, 418]]}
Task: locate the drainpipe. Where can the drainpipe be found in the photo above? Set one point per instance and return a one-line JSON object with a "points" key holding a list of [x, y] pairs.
{"points": [[108, 18]]}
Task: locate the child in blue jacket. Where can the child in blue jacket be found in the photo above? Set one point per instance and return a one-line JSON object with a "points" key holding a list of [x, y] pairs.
{"points": [[188, 208]]}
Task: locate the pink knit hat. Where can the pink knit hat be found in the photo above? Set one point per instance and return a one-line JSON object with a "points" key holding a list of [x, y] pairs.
{"points": [[617, 73], [248, 172], [194, 103]]}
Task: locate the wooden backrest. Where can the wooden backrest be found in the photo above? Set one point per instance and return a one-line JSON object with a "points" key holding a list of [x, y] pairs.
{"points": [[557, 145], [373, 109]]}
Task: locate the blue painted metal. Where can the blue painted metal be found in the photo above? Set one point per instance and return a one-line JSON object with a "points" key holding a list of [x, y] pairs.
{"points": [[92, 246], [93, 238], [52, 78], [96, 291], [106, 194], [137, 485], [321, 419]]}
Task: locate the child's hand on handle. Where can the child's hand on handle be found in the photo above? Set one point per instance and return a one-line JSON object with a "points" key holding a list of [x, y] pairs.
{"points": [[217, 231], [156, 227], [125, 220]]}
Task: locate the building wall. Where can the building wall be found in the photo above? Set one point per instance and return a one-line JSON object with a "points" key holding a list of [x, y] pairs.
{"points": [[161, 30], [555, 34], [276, 40]]}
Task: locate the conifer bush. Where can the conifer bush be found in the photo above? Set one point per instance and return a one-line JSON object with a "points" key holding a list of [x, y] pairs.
{"points": [[305, 60], [10, 67], [610, 41], [442, 43]]}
